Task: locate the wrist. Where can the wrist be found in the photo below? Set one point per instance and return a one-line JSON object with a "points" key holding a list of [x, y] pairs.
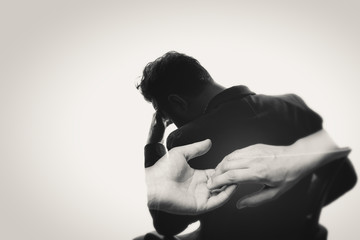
{"points": [[156, 135], [150, 176], [303, 160]]}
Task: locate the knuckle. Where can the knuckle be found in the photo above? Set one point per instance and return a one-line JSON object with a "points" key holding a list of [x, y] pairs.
{"points": [[231, 176], [261, 172], [236, 152], [237, 155], [225, 166], [230, 157]]}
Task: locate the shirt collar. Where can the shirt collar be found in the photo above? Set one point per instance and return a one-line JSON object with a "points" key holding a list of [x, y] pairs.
{"points": [[227, 95]]}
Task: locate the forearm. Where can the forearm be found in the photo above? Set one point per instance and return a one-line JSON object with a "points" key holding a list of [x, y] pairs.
{"points": [[168, 224], [157, 129], [323, 151], [155, 136], [281, 167], [314, 151], [344, 181]]}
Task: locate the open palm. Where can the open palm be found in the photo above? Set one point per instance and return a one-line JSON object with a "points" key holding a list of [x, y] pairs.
{"points": [[175, 187]]}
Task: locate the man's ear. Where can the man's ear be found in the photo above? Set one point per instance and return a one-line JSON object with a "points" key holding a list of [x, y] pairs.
{"points": [[177, 102]]}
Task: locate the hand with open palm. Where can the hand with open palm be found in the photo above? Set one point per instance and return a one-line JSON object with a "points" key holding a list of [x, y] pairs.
{"points": [[175, 187]]}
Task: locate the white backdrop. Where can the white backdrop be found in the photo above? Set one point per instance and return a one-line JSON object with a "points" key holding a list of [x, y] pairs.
{"points": [[73, 126]]}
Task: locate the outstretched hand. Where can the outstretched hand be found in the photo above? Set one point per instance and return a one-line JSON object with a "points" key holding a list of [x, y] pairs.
{"points": [[174, 187], [277, 167]]}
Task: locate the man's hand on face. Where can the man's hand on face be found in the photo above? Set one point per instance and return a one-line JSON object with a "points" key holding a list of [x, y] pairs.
{"points": [[157, 128], [174, 187]]}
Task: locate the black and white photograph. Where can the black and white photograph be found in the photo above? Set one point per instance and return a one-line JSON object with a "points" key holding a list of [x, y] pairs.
{"points": [[179, 120]]}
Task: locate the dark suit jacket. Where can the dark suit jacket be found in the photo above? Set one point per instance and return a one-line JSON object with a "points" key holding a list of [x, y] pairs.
{"points": [[234, 119]]}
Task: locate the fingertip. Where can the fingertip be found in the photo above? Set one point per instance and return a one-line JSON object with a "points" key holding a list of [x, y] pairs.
{"points": [[211, 185], [240, 205], [208, 142], [215, 182]]}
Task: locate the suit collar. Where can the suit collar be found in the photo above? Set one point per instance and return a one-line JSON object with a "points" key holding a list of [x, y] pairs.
{"points": [[227, 95]]}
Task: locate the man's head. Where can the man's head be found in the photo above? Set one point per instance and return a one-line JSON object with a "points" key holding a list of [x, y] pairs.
{"points": [[174, 84]]}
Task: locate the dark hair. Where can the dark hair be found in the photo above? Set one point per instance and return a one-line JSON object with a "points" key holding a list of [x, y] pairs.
{"points": [[172, 73]]}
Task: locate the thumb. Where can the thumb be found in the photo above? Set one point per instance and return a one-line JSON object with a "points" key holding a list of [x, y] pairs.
{"points": [[258, 198], [193, 150]]}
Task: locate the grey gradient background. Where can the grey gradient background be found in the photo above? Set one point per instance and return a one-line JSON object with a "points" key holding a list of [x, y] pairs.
{"points": [[73, 126]]}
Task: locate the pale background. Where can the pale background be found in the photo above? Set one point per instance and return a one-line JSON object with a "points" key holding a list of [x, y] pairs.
{"points": [[73, 126]]}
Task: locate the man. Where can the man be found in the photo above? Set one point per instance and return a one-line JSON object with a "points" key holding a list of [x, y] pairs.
{"points": [[184, 93]]}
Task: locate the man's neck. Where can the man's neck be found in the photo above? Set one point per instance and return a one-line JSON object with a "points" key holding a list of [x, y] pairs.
{"points": [[209, 93]]}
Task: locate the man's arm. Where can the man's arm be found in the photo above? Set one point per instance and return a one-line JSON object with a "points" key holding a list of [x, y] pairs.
{"points": [[345, 179], [277, 167]]}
